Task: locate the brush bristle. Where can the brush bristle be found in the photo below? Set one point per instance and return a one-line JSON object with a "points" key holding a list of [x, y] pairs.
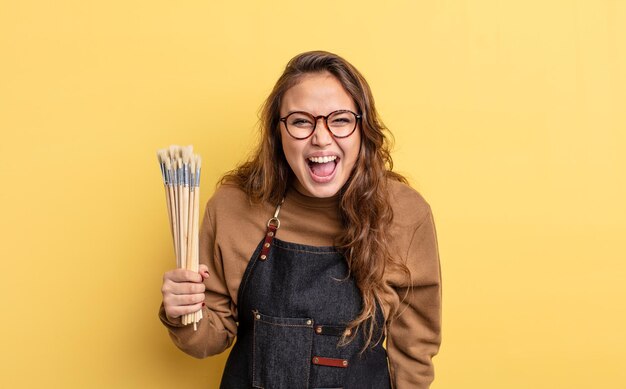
{"points": [[186, 155], [174, 151]]}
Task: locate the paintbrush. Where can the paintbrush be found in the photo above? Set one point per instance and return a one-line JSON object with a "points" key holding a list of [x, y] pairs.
{"points": [[180, 170]]}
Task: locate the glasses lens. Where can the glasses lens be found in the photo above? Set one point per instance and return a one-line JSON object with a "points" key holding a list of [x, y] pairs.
{"points": [[300, 125], [342, 123]]}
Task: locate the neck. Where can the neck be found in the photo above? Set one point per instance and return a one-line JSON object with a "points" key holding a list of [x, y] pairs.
{"points": [[293, 194]]}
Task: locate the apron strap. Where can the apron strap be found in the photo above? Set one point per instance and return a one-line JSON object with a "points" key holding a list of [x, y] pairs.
{"points": [[272, 226]]}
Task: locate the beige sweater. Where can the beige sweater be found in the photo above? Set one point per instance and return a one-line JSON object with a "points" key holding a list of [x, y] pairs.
{"points": [[232, 228]]}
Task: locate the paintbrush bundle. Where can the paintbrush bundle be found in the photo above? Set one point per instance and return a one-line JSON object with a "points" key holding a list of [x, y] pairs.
{"points": [[180, 168]]}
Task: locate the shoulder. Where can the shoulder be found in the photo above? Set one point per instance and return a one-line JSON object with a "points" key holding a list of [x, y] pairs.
{"points": [[230, 206], [228, 201], [409, 206], [413, 238], [226, 194]]}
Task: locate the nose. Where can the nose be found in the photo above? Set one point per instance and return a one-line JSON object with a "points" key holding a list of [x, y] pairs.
{"points": [[322, 135]]}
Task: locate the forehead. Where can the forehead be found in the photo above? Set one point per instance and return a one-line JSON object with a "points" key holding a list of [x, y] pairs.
{"points": [[318, 94]]}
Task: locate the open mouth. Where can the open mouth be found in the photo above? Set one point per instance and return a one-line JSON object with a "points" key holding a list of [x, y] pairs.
{"points": [[322, 168]]}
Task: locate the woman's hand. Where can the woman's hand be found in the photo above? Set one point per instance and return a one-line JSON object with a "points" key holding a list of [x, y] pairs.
{"points": [[183, 291]]}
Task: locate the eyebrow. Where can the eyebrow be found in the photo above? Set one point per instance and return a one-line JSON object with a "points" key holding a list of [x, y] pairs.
{"points": [[301, 110]]}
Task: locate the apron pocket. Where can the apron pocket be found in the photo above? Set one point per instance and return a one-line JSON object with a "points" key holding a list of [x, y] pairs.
{"points": [[281, 355]]}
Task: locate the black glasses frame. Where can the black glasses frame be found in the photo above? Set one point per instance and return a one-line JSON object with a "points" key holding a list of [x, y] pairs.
{"points": [[316, 118]]}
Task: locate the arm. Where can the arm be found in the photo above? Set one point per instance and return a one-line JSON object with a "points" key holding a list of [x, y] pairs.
{"points": [[218, 327], [414, 335]]}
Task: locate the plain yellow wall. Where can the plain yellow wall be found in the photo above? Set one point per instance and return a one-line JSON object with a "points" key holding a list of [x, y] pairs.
{"points": [[509, 117]]}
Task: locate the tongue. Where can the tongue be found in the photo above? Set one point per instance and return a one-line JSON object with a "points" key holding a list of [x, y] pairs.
{"points": [[323, 169]]}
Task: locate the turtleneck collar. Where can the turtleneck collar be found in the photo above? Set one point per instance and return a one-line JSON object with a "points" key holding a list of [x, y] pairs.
{"points": [[293, 195]]}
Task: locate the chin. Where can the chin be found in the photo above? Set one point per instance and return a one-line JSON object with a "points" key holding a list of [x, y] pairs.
{"points": [[323, 192], [320, 190]]}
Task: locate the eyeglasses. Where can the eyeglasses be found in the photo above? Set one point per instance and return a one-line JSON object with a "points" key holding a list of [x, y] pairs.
{"points": [[301, 125]]}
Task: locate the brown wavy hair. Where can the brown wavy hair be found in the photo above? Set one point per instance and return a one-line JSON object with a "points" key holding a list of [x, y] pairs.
{"points": [[365, 207]]}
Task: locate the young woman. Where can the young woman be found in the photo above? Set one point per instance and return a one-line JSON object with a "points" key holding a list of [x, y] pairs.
{"points": [[314, 251]]}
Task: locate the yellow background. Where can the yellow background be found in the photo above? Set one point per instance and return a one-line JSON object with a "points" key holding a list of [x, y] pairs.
{"points": [[509, 117]]}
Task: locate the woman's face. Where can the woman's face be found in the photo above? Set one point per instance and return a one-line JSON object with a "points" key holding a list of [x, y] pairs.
{"points": [[319, 94]]}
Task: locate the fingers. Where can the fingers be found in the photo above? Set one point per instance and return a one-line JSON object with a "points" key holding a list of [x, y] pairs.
{"points": [[204, 271], [183, 287], [183, 299], [175, 311], [182, 275], [180, 298], [182, 282], [183, 291]]}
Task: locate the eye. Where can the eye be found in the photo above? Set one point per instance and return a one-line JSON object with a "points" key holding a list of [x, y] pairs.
{"points": [[300, 122], [341, 120]]}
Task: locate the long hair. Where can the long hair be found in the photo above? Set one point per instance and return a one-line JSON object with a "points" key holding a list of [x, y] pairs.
{"points": [[365, 210]]}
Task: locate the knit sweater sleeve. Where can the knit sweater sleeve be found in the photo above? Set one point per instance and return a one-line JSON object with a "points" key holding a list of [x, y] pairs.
{"points": [[218, 327], [414, 335]]}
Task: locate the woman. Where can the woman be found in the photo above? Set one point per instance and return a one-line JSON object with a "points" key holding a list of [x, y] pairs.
{"points": [[314, 250]]}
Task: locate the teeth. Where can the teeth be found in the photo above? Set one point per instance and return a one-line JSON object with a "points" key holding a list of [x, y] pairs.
{"points": [[323, 159]]}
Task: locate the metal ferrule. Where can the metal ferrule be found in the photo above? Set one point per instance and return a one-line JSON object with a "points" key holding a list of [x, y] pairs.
{"points": [[162, 166], [198, 177]]}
